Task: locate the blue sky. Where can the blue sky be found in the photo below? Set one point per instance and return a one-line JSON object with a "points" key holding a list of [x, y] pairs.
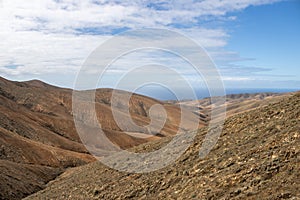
{"points": [[254, 43], [269, 36]]}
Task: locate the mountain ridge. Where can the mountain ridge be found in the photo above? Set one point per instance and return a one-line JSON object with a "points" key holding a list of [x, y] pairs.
{"points": [[39, 138], [257, 156], [38, 132]]}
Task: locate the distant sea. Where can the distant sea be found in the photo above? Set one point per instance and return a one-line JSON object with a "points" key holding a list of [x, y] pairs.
{"points": [[164, 94]]}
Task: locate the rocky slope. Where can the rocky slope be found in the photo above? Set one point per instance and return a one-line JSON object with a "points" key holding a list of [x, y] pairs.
{"points": [[256, 157], [38, 139]]}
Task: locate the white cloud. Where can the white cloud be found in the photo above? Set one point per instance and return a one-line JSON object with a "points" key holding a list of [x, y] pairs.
{"points": [[38, 53], [40, 37], [66, 15]]}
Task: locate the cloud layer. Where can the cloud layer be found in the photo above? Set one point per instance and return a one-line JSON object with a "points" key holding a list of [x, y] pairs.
{"points": [[56, 36]]}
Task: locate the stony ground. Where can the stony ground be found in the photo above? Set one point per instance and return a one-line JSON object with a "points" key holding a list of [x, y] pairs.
{"points": [[256, 157], [38, 137]]}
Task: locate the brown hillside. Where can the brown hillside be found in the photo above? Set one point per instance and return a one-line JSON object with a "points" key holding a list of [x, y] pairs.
{"points": [[234, 103], [37, 132], [256, 157]]}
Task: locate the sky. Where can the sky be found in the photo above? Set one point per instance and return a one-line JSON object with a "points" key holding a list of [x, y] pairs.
{"points": [[253, 43]]}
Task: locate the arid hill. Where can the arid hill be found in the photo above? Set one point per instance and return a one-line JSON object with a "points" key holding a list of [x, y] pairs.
{"points": [[234, 103], [256, 157], [38, 139]]}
